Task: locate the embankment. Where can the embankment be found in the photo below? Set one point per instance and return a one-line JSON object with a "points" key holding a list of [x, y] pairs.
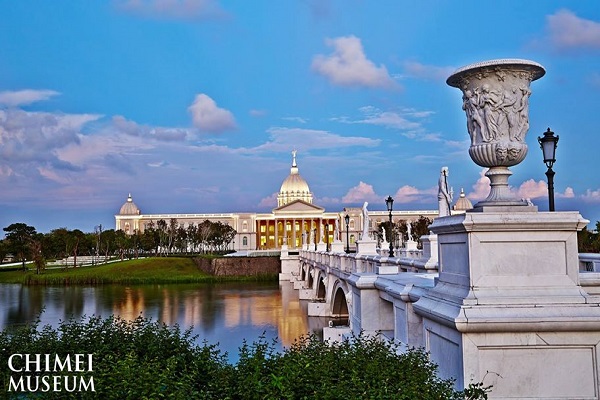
{"points": [[240, 266]]}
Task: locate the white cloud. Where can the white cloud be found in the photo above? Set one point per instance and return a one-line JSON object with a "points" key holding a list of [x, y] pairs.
{"points": [[568, 194], [34, 137], [173, 9], [361, 193], [166, 134], [208, 117], [258, 113], [295, 119], [25, 97], [591, 196], [410, 194], [284, 139], [530, 189], [408, 121], [270, 201], [568, 31], [348, 65], [427, 72], [389, 119], [481, 188]]}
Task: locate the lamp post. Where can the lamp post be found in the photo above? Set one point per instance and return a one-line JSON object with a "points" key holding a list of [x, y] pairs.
{"points": [[347, 220], [315, 239], [389, 202], [548, 145]]}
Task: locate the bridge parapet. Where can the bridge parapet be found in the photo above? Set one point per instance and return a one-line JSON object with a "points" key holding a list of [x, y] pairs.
{"points": [[589, 262]]}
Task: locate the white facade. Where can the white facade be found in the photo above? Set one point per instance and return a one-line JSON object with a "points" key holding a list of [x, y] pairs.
{"points": [[295, 222]]}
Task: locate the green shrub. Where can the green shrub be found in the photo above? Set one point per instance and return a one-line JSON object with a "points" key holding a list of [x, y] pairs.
{"points": [[144, 359]]}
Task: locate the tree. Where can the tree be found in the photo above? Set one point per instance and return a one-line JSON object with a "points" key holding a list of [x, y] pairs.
{"points": [[3, 250], [420, 227], [76, 237], [161, 227], [37, 254], [19, 236], [121, 242], [588, 241]]}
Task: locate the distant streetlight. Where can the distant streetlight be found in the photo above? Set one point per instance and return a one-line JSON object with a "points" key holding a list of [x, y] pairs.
{"points": [[389, 202], [315, 239], [548, 145], [347, 219]]}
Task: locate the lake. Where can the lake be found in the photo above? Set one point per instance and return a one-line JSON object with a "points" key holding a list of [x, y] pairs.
{"points": [[223, 313]]}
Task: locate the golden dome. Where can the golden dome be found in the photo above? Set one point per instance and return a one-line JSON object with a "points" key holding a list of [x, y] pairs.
{"points": [[294, 187], [462, 204], [129, 208]]}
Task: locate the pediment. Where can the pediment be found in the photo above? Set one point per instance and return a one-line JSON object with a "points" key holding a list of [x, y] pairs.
{"points": [[298, 207]]}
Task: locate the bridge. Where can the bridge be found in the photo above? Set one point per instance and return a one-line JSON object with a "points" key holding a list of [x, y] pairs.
{"points": [[511, 304]]}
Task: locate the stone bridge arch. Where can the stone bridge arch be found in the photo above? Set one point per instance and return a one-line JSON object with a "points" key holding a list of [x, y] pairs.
{"points": [[340, 299], [310, 277], [321, 286]]}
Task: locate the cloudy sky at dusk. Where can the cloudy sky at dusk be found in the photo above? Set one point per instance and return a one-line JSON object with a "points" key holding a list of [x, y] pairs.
{"points": [[194, 106]]}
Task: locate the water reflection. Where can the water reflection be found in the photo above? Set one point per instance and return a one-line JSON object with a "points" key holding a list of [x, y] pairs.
{"points": [[219, 313]]}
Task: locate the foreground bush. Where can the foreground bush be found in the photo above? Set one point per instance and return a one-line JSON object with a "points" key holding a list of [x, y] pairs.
{"points": [[144, 359]]}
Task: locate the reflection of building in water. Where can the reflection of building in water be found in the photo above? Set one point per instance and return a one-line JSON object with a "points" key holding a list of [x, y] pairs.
{"points": [[295, 221], [267, 309], [131, 305]]}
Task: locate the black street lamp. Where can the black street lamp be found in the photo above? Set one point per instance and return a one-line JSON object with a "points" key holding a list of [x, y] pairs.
{"points": [[389, 202], [548, 145], [347, 219], [315, 239]]}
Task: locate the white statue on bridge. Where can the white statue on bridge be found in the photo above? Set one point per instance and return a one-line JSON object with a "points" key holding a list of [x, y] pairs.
{"points": [[365, 212], [444, 195]]}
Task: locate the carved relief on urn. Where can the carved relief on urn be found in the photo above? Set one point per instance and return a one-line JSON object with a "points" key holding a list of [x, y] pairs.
{"points": [[496, 103]]}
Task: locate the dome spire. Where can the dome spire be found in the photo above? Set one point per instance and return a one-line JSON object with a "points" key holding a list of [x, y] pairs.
{"points": [[294, 169], [294, 187]]}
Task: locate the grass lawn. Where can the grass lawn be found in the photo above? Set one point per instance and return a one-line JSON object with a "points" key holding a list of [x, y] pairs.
{"points": [[132, 272]]}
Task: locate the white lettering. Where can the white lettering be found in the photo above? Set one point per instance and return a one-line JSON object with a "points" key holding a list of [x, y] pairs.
{"points": [[31, 388], [83, 387], [45, 383], [58, 366], [90, 362], [56, 383], [67, 384], [14, 387], [37, 362], [10, 362]]}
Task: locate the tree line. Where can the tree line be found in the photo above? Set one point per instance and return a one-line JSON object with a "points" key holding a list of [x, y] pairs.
{"points": [[160, 238], [589, 241], [399, 229]]}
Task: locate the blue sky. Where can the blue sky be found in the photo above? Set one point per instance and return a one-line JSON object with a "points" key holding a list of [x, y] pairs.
{"points": [[195, 105]]}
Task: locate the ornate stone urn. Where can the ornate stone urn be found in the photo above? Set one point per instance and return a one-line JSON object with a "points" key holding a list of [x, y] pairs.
{"points": [[496, 102]]}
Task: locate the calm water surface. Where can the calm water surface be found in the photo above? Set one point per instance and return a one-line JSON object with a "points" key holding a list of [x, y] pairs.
{"points": [[224, 313]]}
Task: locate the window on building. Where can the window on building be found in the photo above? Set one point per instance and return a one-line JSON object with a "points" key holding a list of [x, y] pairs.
{"points": [[352, 238], [351, 224], [245, 226], [245, 241]]}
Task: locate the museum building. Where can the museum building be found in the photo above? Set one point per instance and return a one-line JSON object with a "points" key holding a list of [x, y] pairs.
{"points": [[295, 222]]}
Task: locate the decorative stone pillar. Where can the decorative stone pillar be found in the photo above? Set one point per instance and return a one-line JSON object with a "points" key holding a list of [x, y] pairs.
{"points": [[508, 308]]}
